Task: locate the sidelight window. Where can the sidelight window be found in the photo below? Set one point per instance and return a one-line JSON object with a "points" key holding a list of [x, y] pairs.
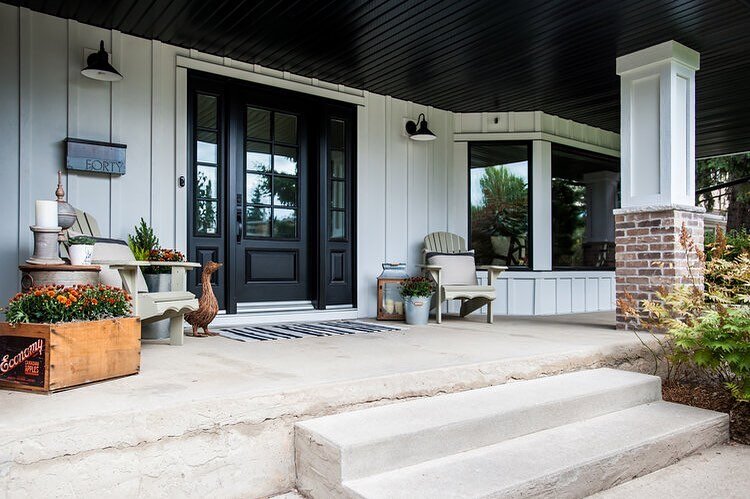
{"points": [[207, 166], [337, 175]]}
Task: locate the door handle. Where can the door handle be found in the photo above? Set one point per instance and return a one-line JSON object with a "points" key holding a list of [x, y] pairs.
{"points": [[239, 225]]}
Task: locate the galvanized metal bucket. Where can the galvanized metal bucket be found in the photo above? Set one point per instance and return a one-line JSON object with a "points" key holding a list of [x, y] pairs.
{"points": [[417, 309]]}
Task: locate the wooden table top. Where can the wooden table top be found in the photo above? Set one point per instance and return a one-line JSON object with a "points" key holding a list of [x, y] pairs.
{"points": [[60, 268]]}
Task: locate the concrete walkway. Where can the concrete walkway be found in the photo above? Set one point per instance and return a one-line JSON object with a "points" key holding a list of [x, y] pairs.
{"points": [[209, 408], [722, 471]]}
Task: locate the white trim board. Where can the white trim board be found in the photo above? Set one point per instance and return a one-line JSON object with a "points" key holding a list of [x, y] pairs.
{"points": [[236, 320], [264, 79], [499, 136]]}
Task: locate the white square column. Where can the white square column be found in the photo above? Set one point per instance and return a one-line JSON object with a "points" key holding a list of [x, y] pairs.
{"points": [[657, 138], [658, 125]]}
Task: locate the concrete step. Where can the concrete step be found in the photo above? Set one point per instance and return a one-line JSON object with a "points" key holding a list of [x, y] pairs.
{"points": [[352, 445], [573, 460]]}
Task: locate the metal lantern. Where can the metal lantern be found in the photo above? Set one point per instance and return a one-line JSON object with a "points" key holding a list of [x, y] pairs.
{"points": [[390, 302]]}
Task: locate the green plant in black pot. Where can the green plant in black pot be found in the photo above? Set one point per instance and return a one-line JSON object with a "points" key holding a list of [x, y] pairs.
{"points": [[143, 241]]}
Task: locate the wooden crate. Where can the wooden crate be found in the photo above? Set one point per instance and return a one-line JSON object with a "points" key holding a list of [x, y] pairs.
{"points": [[50, 357]]}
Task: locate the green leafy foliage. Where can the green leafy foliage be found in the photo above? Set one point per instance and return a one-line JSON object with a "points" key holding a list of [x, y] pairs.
{"points": [[52, 304], [81, 240], [143, 241], [738, 242], [417, 286], [705, 324]]}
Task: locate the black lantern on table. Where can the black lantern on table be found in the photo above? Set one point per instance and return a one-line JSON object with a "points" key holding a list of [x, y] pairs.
{"points": [[390, 301]]}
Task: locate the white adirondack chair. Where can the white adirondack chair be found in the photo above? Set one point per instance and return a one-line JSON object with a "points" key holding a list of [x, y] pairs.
{"points": [[150, 307], [474, 295]]}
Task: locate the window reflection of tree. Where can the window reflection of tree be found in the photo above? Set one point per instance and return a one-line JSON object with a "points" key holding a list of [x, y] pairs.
{"points": [[283, 192], [206, 219], [500, 222]]}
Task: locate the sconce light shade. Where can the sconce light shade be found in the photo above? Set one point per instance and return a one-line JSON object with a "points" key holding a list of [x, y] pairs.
{"points": [[99, 68], [419, 130]]}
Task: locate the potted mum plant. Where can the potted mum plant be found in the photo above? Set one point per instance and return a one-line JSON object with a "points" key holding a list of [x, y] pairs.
{"points": [[57, 337], [80, 249], [417, 293], [159, 277]]}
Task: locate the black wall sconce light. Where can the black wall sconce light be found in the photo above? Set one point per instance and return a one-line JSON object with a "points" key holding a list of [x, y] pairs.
{"points": [[419, 130], [99, 68]]}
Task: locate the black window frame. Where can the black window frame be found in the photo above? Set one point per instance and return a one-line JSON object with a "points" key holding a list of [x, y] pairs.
{"points": [[529, 267], [585, 153]]}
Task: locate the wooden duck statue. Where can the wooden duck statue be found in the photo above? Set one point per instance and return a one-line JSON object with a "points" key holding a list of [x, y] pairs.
{"points": [[208, 307]]}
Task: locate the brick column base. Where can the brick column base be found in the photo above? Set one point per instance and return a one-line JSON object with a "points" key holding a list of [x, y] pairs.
{"points": [[645, 236]]}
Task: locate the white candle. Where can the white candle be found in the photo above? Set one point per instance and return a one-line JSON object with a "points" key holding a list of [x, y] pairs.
{"points": [[46, 214], [389, 305], [399, 307]]}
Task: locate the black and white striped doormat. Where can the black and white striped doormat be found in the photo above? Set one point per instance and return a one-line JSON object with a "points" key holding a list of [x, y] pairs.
{"points": [[290, 331]]}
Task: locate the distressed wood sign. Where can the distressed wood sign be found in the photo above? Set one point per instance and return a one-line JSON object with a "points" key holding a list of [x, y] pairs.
{"points": [[95, 157]]}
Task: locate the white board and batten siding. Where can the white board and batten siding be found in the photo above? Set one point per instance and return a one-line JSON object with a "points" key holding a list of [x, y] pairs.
{"points": [[405, 189]]}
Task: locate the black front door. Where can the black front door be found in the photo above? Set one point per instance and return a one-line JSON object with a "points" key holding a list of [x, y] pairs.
{"points": [[272, 171], [271, 195]]}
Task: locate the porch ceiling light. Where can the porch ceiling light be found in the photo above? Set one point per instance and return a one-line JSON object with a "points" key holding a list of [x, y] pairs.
{"points": [[419, 130], [99, 68]]}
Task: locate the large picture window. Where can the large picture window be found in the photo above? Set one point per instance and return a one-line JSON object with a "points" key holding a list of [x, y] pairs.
{"points": [[584, 193], [499, 190]]}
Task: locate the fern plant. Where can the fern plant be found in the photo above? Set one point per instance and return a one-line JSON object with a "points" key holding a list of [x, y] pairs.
{"points": [[143, 241], [706, 323]]}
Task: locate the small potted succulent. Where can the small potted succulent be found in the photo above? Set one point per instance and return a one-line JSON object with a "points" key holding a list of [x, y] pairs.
{"points": [[80, 249], [417, 293]]}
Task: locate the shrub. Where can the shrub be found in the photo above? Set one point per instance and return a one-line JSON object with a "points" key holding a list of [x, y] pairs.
{"points": [[51, 304], [737, 240], [417, 286], [143, 241], [707, 322]]}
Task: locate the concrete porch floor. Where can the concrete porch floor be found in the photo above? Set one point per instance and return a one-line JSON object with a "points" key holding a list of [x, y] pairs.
{"points": [[216, 415]]}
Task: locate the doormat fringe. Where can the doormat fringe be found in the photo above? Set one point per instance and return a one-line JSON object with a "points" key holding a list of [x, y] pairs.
{"points": [[289, 331]]}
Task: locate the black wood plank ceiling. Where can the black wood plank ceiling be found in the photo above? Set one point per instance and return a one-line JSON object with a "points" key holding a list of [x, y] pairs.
{"points": [[557, 56]]}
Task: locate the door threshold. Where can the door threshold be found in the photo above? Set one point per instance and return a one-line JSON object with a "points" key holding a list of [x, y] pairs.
{"points": [[241, 319]]}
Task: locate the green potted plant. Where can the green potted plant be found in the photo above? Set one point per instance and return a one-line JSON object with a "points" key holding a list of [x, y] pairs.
{"points": [[417, 293], [141, 244], [159, 278], [80, 249]]}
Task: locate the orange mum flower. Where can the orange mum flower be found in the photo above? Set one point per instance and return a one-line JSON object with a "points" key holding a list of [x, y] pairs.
{"points": [[50, 293]]}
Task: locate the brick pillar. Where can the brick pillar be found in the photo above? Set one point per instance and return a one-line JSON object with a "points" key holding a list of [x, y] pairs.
{"points": [[645, 236]]}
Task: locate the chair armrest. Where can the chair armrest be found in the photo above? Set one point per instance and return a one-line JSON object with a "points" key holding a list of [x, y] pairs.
{"points": [[185, 265], [430, 267], [492, 272]]}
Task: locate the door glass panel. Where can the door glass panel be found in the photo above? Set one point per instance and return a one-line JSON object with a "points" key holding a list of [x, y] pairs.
{"points": [[258, 156], [207, 149], [206, 116], [284, 223], [285, 191], [258, 221], [337, 134], [206, 217], [338, 199], [337, 164], [258, 188], [285, 128], [206, 186], [285, 160], [258, 124], [337, 225]]}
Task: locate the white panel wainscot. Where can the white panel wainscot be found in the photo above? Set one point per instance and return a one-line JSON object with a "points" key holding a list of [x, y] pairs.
{"points": [[553, 292]]}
